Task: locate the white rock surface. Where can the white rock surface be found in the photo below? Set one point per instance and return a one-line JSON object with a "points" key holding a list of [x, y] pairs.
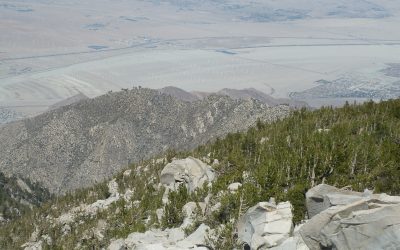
{"points": [[359, 225], [175, 235], [169, 239], [32, 245], [36, 241], [113, 187], [91, 209], [264, 140], [117, 245], [190, 210], [233, 187], [293, 243], [127, 173], [128, 195], [351, 220], [266, 225], [160, 214], [192, 172], [215, 208], [324, 196], [100, 230], [23, 186], [196, 238]]}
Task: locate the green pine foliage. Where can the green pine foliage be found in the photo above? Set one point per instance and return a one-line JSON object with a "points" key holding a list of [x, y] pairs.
{"points": [[173, 216], [16, 200], [356, 146]]}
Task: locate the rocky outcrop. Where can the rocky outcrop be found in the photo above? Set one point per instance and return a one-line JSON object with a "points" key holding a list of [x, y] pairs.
{"points": [[190, 211], [359, 225], [80, 144], [190, 172], [242, 94], [295, 242], [351, 220], [234, 187], [266, 225], [251, 93], [169, 239], [33, 245], [340, 219], [93, 208], [324, 196]]}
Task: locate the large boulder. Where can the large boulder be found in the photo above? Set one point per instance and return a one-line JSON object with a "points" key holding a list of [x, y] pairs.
{"points": [[266, 225], [292, 243], [234, 187], [117, 245], [343, 219], [324, 196], [191, 172], [361, 225], [196, 239], [295, 242]]}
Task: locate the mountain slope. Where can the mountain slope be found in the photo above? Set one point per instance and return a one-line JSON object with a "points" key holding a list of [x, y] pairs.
{"points": [[80, 144], [355, 147], [18, 196], [179, 94], [261, 96], [237, 94]]}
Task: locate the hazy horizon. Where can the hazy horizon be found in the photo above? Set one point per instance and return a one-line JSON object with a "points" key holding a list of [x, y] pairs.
{"points": [[320, 52]]}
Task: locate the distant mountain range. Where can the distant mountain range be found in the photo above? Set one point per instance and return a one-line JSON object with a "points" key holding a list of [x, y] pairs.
{"points": [[284, 10], [82, 143], [8, 114], [243, 94]]}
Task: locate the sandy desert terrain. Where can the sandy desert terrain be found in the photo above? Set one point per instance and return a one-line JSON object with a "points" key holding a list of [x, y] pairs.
{"points": [[323, 53]]}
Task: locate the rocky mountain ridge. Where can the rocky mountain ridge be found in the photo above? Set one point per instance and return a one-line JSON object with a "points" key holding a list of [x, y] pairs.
{"points": [[237, 94], [77, 145], [9, 114]]}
